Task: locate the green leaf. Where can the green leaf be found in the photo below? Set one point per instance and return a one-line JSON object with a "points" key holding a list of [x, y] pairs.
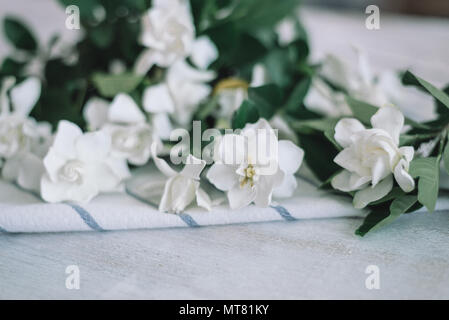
{"points": [[19, 35], [110, 85], [410, 79], [296, 99], [446, 157], [441, 108], [278, 67], [102, 35], [427, 170], [383, 216], [267, 99], [361, 110], [319, 155], [321, 125], [364, 111], [247, 113], [12, 67], [254, 14], [411, 139], [396, 192]]}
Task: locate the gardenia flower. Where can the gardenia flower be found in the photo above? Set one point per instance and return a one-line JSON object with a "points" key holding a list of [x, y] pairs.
{"points": [[181, 187], [131, 136], [23, 141], [168, 33], [179, 95], [363, 84], [371, 157], [232, 92], [253, 166], [78, 166]]}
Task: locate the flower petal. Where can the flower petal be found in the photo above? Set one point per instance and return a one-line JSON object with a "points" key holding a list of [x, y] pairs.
{"points": [[96, 113], [380, 170], [365, 196], [93, 146], [53, 162], [193, 167], [144, 62], [157, 99], [64, 191], [259, 75], [30, 172], [265, 187], [66, 135], [204, 52], [403, 178], [407, 153], [5, 86], [105, 178], [241, 197], [160, 163], [390, 119], [345, 128], [290, 156], [25, 95], [222, 176], [182, 71], [346, 181], [179, 192], [231, 149], [119, 167], [349, 160], [203, 200], [287, 188], [162, 126], [11, 167], [123, 109]]}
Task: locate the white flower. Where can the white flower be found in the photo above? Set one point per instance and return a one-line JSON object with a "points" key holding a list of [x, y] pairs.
{"points": [[204, 52], [323, 99], [23, 141], [362, 83], [286, 31], [230, 99], [78, 166], [168, 33], [15, 125], [125, 123], [26, 166], [371, 157], [181, 187], [254, 165], [233, 91], [184, 88]]}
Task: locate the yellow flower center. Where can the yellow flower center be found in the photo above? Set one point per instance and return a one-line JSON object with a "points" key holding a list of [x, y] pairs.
{"points": [[250, 172], [230, 83]]}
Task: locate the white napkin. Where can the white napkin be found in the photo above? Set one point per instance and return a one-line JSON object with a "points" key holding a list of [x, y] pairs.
{"points": [[21, 211]]}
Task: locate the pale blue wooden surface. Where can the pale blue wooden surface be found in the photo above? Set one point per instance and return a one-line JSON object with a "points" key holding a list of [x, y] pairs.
{"points": [[303, 259]]}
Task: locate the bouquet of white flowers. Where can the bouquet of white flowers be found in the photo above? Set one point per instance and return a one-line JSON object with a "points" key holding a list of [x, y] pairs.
{"points": [[223, 89]]}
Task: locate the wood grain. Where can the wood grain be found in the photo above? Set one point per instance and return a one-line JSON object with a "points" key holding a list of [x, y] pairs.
{"points": [[292, 260]]}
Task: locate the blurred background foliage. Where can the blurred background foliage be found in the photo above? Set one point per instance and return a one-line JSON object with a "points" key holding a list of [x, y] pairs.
{"points": [[245, 36]]}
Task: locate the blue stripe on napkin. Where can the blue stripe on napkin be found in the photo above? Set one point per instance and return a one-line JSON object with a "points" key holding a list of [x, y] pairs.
{"points": [[284, 213], [87, 218], [188, 220]]}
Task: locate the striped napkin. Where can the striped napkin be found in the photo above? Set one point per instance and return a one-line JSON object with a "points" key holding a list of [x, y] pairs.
{"points": [[135, 208]]}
